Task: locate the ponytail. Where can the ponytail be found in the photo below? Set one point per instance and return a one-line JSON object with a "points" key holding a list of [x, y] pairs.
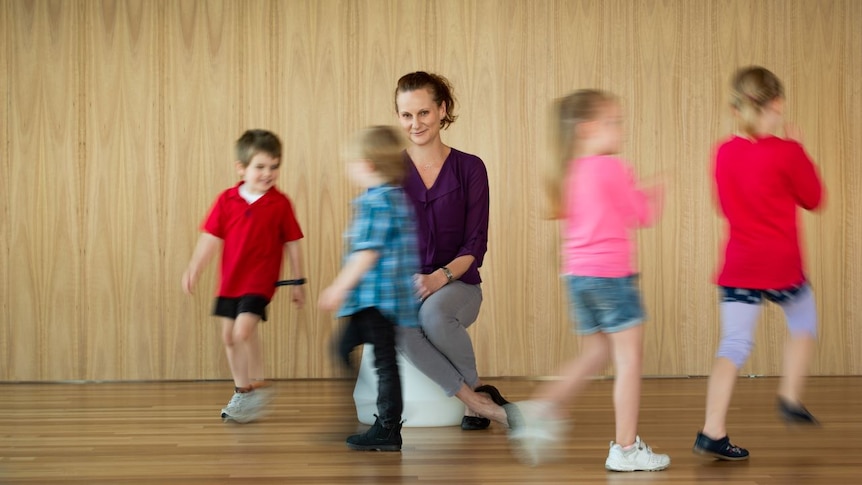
{"points": [[752, 88]]}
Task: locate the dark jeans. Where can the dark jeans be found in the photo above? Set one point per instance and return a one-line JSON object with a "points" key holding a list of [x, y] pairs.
{"points": [[370, 326]]}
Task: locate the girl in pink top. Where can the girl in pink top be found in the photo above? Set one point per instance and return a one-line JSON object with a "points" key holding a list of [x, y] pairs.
{"points": [[760, 180], [600, 204]]}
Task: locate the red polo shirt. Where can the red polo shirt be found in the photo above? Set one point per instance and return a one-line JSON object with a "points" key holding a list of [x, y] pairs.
{"points": [[254, 236], [759, 184]]}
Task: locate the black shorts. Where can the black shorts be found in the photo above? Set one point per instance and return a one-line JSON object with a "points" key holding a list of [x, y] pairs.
{"points": [[232, 307]]}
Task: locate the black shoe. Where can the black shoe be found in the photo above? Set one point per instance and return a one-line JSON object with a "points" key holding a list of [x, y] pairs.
{"points": [[721, 449], [795, 413], [377, 438], [473, 423], [494, 393]]}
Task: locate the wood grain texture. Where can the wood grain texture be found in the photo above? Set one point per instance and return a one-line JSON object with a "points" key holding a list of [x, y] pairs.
{"points": [[124, 231], [6, 167], [44, 270], [120, 117], [170, 432]]}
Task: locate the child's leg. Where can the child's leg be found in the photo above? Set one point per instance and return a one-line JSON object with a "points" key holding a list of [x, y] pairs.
{"points": [[537, 424], [628, 452], [801, 315], [380, 332], [595, 350], [235, 334], [627, 350], [230, 350], [256, 367], [738, 321], [351, 337]]}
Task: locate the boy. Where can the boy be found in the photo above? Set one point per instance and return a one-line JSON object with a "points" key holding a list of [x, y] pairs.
{"points": [[375, 287], [256, 223]]}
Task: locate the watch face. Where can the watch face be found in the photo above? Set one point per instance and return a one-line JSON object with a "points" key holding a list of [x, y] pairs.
{"points": [[447, 273]]}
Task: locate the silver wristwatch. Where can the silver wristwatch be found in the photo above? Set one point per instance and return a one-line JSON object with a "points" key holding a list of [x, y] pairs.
{"points": [[448, 274]]}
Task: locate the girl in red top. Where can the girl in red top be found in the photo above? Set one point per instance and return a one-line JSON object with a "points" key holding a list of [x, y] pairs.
{"points": [[760, 180]]}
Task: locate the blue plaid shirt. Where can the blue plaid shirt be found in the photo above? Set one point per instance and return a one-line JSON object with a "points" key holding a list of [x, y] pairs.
{"points": [[383, 221]]}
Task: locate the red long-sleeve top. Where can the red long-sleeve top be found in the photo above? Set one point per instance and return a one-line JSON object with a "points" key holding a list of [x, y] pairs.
{"points": [[759, 184]]}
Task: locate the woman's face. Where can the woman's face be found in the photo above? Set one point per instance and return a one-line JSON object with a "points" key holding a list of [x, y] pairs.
{"points": [[420, 116]]}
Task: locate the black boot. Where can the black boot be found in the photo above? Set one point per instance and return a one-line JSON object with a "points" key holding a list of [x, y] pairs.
{"points": [[377, 438]]}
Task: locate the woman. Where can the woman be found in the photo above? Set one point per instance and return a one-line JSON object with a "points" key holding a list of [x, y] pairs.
{"points": [[449, 189]]}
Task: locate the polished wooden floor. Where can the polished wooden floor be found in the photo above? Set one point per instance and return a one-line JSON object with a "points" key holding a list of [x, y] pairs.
{"points": [[170, 433]]}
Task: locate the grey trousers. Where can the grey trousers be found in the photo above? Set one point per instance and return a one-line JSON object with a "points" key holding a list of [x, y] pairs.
{"points": [[441, 347]]}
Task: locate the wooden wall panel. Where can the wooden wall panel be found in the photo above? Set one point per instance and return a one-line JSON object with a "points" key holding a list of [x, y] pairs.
{"points": [[43, 268], [122, 175], [315, 113], [5, 167], [200, 95], [120, 118], [846, 153]]}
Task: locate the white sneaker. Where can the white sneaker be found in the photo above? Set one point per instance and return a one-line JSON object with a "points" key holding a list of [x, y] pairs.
{"points": [[639, 458], [244, 407], [261, 397], [231, 405], [532, 432]]}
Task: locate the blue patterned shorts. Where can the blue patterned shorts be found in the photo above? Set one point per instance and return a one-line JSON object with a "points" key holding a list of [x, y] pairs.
{"points": [[756, 297]]}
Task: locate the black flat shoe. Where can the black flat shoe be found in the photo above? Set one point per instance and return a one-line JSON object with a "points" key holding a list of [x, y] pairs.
{"points": [[722, 449], [492, 391], [474, 423], [795, 413]]}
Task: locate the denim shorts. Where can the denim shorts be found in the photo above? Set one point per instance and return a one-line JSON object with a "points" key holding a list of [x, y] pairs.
{"points": [[604, 304]]}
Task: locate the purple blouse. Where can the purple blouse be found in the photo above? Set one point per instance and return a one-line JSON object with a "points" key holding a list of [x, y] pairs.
{"points": [[452, 216]]}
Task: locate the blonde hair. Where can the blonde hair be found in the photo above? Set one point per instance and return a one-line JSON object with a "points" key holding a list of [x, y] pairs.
{"points": [[578, 107], [384, 147], [752, 88]]}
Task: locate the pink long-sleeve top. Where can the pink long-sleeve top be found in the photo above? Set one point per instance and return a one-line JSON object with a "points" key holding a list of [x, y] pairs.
{"points": [[602, 206]]}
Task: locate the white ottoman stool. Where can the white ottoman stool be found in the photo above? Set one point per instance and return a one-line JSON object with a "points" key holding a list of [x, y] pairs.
{"points": [[425, 404]]}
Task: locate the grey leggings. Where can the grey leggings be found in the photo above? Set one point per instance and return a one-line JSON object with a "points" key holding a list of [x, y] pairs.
{"points": [[739, 320], [441, 347]]}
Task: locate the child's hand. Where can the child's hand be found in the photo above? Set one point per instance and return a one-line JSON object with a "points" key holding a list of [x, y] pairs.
{"points": [[190, 277], [297, 296], [331, 298], [792, 132]]}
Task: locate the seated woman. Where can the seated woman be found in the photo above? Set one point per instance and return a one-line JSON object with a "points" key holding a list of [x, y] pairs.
{"points": [[449, 189]]}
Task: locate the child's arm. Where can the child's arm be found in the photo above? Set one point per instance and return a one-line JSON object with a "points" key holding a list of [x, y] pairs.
{"points": [[807, 184], [644, 200], [357, 265], [294, 257], [654, 190], [207, 246]]}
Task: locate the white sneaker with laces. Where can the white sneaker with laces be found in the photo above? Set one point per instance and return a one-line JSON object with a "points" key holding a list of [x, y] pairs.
{"points": [[639, 457]]}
